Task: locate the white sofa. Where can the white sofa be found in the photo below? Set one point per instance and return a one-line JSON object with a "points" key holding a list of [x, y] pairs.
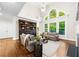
{"points": [[27, 40]]}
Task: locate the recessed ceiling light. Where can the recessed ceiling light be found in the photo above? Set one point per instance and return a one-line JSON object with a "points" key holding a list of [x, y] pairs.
{"points": [[43, 9]]}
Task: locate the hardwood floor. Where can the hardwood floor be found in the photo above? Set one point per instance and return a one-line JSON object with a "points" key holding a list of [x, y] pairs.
{"points": [[62, 50], [12, 48]]}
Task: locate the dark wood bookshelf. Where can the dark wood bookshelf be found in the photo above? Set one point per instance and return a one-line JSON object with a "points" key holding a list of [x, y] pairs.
{"points": [[27, 27]]}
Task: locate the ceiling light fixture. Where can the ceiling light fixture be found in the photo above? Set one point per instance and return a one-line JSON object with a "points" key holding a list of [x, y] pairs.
{"points": [[43, 7]]}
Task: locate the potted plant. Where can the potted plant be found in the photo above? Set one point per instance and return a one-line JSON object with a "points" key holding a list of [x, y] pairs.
{"points": [[37, 38]]}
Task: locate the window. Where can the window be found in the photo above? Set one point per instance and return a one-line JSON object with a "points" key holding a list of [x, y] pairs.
{"points": [[46, 27], [52, 27], [62, 27], [61, 13], [60, 24], [52, 13]]}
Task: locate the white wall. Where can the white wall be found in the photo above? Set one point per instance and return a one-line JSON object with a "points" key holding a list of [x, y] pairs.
{"points": [[8, 27], [30, 12], [5, 27], [15, 28], [77, 27], [70, 9]]}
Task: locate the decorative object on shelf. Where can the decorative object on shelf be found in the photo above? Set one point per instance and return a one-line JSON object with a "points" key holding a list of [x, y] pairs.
{"points": [[52, 27], [22, 27], [53, 13], [61, 13], [26, 23], [62, 27]]}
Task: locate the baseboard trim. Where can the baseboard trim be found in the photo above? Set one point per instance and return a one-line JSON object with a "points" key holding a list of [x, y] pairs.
{"points": [[15, 38], [6, 38]]}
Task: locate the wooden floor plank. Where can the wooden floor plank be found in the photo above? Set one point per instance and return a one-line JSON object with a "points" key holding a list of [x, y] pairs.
{"points": [[12, 48]]}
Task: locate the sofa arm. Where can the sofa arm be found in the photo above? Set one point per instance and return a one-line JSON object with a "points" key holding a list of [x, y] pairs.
{"points": [[31, 42]]}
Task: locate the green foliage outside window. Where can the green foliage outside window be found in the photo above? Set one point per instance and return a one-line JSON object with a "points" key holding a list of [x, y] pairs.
{"points": [[52, 13], [52, 27], [61, 13], [62, 28]]}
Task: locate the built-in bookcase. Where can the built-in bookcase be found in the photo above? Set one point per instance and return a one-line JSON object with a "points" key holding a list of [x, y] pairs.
{"points": [[27, 27]]}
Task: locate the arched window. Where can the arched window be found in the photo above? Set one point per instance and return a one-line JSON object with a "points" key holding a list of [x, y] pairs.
{"points": [[52, 13], [61, 13]]}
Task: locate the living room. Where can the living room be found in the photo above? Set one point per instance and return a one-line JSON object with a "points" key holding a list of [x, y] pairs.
{"points": [[52, 22]]}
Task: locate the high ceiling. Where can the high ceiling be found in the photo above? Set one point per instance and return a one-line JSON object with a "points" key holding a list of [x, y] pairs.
{"points": [[11, 8]]}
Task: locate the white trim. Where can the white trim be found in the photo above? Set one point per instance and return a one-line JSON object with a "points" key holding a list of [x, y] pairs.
{"points": [[6, 37], [28, 19], [15, 38]]}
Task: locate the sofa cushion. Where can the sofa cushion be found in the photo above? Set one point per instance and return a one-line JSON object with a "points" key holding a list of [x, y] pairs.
{"points": [[53, 33], [51, 36]]}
